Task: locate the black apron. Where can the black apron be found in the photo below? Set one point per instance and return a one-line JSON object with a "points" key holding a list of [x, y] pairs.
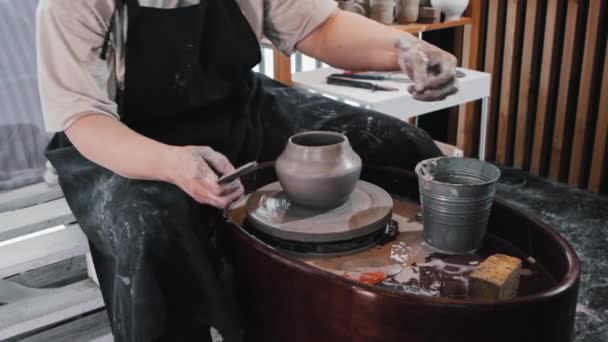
{"points": [[188, 77], [188, 82]]}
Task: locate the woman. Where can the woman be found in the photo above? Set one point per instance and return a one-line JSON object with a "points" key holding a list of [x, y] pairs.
{"points": [[153, 100]]}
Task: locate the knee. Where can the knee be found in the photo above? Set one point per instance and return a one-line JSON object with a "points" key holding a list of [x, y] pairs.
{"points": [[124, 211]]}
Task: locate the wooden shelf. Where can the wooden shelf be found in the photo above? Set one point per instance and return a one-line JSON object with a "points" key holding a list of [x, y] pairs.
{"points": [[417, 27]]}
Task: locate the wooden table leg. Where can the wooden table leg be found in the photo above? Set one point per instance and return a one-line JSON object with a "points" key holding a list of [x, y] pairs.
{"points": [[282, 67], [483, 129], [470, 54]]}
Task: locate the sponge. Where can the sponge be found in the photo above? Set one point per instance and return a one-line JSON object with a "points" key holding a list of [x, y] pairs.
{"points": [[496, 278]]}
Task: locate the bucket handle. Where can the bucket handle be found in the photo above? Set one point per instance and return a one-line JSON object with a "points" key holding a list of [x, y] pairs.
{"points": [[424, 168]]}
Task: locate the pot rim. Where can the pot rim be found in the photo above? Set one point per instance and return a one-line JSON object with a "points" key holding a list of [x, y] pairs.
{"points": [[569, 280], [420, 176], [320, 133]]}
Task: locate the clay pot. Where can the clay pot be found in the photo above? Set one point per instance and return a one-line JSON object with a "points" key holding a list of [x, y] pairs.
{"points": [[318, 170], [382, 11], [452, 9], [352, 6], [407, 11]]}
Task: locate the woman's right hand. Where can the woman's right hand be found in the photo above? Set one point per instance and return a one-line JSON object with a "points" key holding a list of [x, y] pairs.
{"points": [[193, 171]]}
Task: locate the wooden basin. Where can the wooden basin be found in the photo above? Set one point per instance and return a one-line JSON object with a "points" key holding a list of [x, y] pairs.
{"points": [[285, 299]]}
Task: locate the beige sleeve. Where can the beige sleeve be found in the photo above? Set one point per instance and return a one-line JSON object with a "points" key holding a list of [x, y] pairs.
{"points": [[286, 22], [73, 80]]}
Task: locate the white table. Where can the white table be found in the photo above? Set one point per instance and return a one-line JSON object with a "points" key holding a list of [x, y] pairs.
{"points": [[473, 86]]}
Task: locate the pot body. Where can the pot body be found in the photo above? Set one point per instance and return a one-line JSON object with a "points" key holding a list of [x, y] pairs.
{"points": [[407, 11], [318, 170]]}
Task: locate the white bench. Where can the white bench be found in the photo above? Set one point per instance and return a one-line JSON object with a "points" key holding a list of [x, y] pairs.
{"points": [[38, 229]]}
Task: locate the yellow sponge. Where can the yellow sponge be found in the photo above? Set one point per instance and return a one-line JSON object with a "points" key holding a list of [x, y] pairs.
{"points": [[497, 277]]}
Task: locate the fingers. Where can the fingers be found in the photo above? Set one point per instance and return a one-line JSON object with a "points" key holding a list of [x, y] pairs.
{"points": [[417, 68], [412, 59], [231, 187], [217, 160], [434, 94], [207, 190], [207, 178], [438, 82], [234, 195], [428, 66], [405, 42], [445, 65], [227, 196], [198, 177], [202, 194]]}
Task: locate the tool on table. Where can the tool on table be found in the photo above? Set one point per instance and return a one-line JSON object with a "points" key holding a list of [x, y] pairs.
{"points": [[239, 172], [374, 77], [383, 76], [341, 81]]}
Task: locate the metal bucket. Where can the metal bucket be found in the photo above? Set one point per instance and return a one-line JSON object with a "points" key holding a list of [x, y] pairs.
{"points": [[456, 195]]}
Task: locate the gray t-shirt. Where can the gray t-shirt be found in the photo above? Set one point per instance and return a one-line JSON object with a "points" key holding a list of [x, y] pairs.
{"points": [[75, 82]]}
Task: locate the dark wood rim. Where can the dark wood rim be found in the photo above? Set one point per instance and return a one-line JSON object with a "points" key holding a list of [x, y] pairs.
{"points": [[568, 280]]}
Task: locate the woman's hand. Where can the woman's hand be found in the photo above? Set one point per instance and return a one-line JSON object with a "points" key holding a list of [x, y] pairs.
{"points": [[195, 170], [433, 70]]}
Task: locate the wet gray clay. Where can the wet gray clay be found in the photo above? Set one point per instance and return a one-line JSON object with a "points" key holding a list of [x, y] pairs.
{"points": [[318, 170]]}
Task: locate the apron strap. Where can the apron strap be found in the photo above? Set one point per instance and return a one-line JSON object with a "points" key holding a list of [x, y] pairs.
{"points": [[106, 37]]}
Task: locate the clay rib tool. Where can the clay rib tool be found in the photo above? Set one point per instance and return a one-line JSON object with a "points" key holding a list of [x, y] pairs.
{"points": [[340, 81], [239, 172]]}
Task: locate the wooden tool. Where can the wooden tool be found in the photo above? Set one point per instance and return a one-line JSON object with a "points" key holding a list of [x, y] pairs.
{"points": [[239, 172]]}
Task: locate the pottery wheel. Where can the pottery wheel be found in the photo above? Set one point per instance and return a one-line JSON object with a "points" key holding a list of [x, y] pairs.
{"points": [[368, 211]]}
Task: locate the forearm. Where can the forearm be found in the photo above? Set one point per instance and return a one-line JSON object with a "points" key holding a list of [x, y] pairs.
{"points": [[111, 144], [350, 41]]}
